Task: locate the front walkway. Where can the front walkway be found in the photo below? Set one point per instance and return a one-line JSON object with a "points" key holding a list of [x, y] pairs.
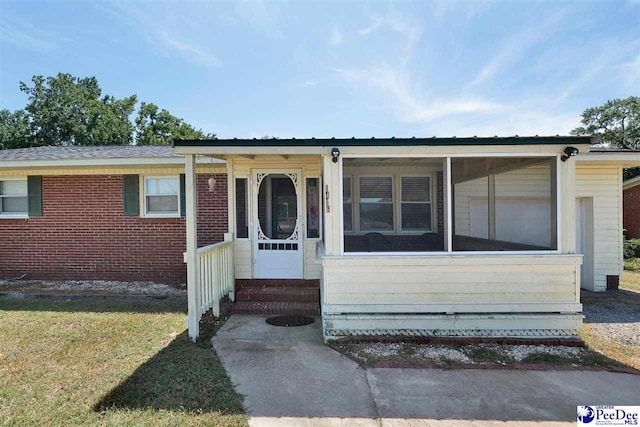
{"points": [[288, 374]]}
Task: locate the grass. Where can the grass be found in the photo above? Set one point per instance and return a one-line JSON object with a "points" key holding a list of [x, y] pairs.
{"points": [[632, 264], [108, 362], [630, 280]]}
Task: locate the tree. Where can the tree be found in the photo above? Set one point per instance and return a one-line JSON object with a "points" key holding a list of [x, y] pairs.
{"points": [[14, 129], [67, 110], [155, 126], [618, 121]]}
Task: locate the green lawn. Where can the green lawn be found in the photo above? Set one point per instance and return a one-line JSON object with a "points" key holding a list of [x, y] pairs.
{"points": [[108, 362]]}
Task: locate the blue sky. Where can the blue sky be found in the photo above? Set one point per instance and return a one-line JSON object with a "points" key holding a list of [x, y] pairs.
{"points": [[302, 68]]}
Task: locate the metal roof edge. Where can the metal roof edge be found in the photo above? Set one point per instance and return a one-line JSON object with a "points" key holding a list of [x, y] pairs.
{"points": [[363, 142]]}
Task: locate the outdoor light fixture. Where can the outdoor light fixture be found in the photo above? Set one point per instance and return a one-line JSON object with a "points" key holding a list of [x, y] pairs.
{"points": [[335, 153], [211, 182], [569, 152]]}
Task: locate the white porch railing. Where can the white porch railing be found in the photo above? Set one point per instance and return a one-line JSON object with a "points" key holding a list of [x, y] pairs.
{"points": [[216, 278]]}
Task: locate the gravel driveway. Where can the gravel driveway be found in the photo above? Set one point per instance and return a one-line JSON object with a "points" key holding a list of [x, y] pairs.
{"points": [[614, 315]]}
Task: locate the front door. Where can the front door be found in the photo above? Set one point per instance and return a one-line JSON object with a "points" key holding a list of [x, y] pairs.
{"points": [[277, 225]]}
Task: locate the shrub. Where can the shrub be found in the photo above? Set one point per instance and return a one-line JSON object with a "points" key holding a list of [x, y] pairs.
{"points": [[631, 248]]}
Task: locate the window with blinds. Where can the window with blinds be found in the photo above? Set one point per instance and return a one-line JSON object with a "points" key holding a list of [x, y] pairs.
{"points": [[376, 203], [415, 207]]}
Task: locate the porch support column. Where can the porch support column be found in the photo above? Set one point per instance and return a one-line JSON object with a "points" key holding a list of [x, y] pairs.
{"points": [[567, 177], [193, 268], [491, 204], [231, 219], [331, 194], [553, 205], [448, 192]]}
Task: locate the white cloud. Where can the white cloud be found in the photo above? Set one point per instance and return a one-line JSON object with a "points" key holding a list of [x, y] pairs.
{"points": [[516, 47], [403, 96], [397, 24], [23, 35], [170, 30]]}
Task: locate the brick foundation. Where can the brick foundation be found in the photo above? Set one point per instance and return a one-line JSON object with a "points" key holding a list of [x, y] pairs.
{"points": [[84, 235]]}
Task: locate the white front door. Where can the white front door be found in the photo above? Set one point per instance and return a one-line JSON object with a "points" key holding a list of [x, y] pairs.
{"points": [[277, 224]]}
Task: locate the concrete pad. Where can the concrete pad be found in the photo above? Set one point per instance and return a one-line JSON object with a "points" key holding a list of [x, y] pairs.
{"points": [[290, 378], [289, 372], [496, 394]]}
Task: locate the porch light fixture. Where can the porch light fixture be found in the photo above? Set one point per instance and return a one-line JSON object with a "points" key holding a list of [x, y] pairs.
{"points": [[569, 152], [335, 153], [211, 182]]}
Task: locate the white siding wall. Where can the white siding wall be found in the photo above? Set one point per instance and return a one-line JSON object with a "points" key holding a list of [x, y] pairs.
{"points": [[604, 184], [499, 295]]}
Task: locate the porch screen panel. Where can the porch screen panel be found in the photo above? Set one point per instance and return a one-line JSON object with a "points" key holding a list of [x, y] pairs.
{"points": [[242, 228], [504, 204], [376, 203]]}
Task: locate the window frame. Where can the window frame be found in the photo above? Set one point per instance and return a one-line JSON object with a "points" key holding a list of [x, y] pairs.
{"points": [[400, 229], [15, 215], [306, 207], [352, 192], [143, 195], [392, 203], [248, 207]]}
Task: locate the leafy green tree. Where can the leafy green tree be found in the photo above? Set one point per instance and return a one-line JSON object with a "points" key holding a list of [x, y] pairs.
{"points": [[14, 129], [67, 110], [618, 121], [155, 126]]}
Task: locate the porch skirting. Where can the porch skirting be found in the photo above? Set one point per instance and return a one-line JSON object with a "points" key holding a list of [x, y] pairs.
{"points": [[516, 325]]}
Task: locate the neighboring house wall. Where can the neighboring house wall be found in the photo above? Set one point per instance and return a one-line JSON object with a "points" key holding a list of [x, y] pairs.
{"points": [[83, 233], [631, 205], [604, 185]]}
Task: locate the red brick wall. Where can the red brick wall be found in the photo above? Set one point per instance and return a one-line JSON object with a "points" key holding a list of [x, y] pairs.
{"points": [[631, 211], [83, 233]]}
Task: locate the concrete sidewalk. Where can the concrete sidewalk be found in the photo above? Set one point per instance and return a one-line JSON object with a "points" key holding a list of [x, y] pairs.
{"points": [[289, 377]]}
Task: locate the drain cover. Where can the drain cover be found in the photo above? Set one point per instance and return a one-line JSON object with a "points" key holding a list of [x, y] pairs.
{"points": [[290, 320]]}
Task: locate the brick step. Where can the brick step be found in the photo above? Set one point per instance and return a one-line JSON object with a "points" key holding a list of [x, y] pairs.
{"points": [[277, 308], [276, 283], [273, 294]]}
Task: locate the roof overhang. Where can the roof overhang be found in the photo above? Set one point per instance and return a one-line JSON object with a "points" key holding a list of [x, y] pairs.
{"points": [[621, 158], [104, 162], [407, 147]]}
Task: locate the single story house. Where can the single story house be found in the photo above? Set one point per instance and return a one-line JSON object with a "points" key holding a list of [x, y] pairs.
{"points": [[631, 207], [411, 236]]}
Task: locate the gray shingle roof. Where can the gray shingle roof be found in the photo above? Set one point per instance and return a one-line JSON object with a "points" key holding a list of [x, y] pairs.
{"points": [[98, 152]]}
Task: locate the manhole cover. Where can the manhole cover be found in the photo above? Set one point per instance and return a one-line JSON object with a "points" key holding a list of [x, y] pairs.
{"points": [[290, 320]]}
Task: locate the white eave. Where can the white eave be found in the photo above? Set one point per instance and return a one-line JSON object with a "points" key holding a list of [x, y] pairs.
{"points": [[106, 162], [625, 159]]}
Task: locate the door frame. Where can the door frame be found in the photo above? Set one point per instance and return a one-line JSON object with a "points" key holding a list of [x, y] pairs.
{"points": [[255, 221]]}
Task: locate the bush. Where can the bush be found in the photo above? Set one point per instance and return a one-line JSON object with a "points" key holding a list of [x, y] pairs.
{"points": [[631, 248]]}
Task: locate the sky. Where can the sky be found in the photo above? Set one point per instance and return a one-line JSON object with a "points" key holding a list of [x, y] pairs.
{"points": [[337, 68]]}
